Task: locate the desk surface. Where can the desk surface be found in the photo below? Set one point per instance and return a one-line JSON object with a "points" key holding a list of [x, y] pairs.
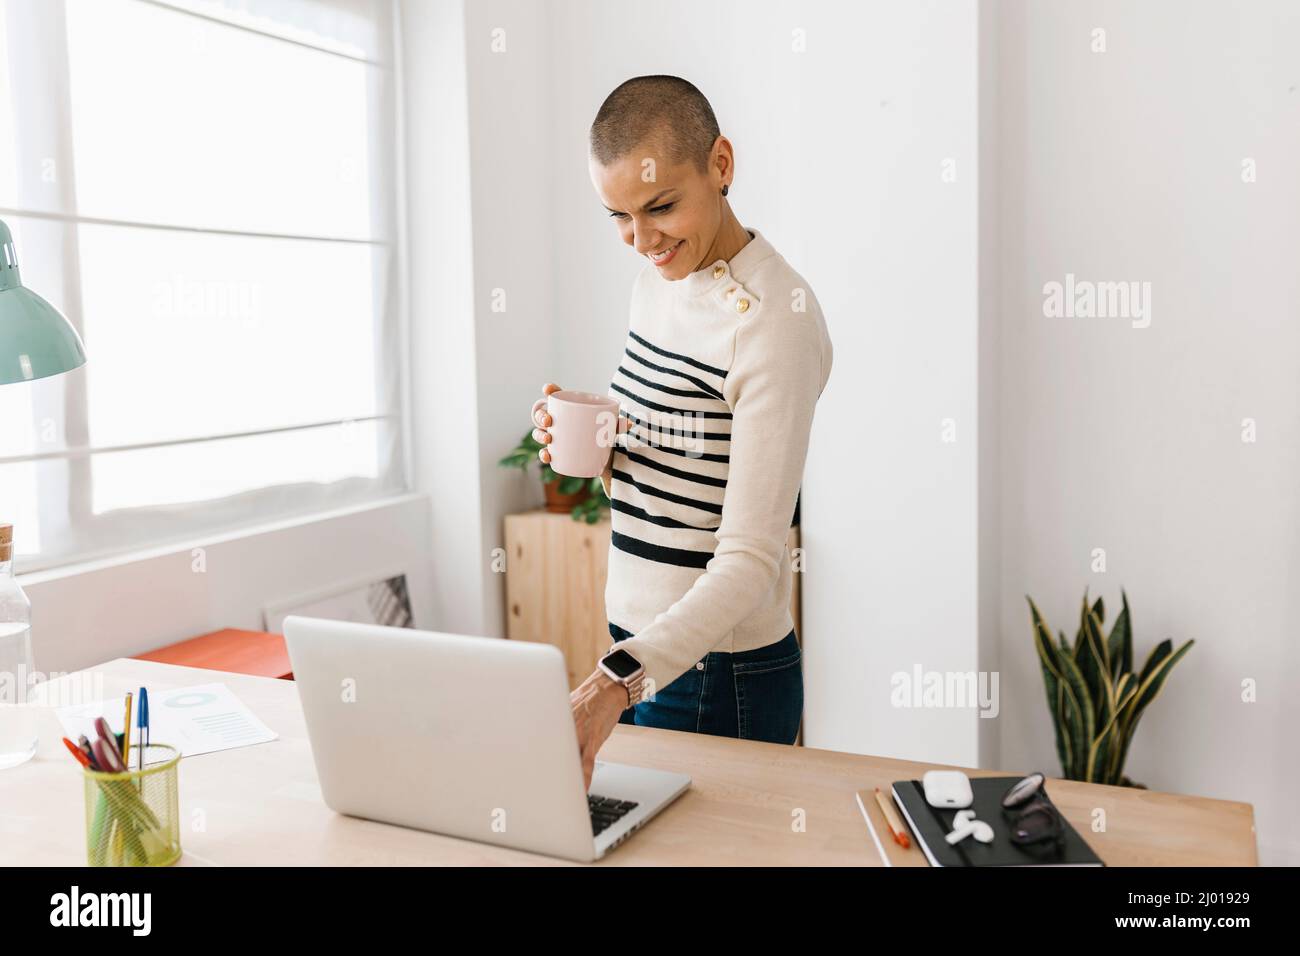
{"points": [[262, 804]]}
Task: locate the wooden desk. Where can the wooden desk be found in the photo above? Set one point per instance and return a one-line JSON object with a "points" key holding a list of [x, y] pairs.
{"points": [[261, 805]]}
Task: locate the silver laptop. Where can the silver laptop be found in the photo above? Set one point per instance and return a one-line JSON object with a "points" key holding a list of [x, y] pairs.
{"points": [[467, 736]]}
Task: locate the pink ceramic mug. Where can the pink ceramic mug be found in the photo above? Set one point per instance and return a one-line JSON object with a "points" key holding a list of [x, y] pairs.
{"points": [[583, 429]]}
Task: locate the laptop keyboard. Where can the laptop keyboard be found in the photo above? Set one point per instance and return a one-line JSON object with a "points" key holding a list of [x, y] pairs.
{"points": [[606, 811]]}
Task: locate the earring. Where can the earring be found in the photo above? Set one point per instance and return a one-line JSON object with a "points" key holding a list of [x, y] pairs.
{"points": [[725, 187]]}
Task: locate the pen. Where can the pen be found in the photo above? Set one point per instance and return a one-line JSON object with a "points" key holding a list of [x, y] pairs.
{"points": [[891, 818], [142, 723], [126, 731]]}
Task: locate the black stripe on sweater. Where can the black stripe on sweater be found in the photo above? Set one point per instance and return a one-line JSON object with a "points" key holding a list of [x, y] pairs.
{"points": [[618, 504], [704, 386], [668, 389], [680, 557], [677, 432], [664, 408], [685, 452], [676, 472], [721, 373], [651, 490]]}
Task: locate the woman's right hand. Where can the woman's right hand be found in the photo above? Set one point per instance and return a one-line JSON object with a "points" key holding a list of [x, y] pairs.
{"points": [[542, 421]]}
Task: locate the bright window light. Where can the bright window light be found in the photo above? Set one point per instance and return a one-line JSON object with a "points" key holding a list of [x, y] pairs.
{"points": [[206, 188]]}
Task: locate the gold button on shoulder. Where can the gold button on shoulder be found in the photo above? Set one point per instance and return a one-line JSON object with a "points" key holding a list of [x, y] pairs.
{"points": [[719, 271], [742, 305]]}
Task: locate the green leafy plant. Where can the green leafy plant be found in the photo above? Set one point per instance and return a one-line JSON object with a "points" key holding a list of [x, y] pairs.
{"points": [[588, 509], [1095, 698]]}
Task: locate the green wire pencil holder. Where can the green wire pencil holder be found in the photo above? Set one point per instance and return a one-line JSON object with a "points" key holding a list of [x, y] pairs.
{"points": [[133, 818]]}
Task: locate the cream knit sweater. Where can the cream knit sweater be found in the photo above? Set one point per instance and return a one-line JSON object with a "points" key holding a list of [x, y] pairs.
{"points": [[718, 380]]}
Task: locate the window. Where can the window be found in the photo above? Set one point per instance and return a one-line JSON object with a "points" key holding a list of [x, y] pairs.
{"points": [[207, 189]]}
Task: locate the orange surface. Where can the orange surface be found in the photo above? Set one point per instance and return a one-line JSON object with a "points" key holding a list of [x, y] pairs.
{"points": [[243, 652]]}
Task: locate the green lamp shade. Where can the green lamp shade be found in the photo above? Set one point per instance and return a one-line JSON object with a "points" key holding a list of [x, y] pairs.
{"points": [[35, 339]]}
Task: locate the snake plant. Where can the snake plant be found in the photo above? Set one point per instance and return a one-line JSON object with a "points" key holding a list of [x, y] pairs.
{"points": [[1093, 694]]}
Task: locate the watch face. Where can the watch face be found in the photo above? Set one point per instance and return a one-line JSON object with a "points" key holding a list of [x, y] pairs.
{"points": [[623, 664]]}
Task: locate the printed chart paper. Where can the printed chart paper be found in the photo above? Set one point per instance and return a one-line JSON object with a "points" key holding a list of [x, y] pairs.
{"points": [[195, 720]]}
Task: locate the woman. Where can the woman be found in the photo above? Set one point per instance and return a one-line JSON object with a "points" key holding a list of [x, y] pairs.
{"points": [[727, 353]]}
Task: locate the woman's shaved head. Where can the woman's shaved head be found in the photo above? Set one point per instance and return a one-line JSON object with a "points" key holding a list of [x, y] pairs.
{"points": [[666, 110]]}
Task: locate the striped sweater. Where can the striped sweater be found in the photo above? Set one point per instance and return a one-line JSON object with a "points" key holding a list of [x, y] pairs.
{"points": [[718, 382]]}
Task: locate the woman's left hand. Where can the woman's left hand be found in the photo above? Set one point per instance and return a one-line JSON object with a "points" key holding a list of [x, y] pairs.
{"points": [[597, 704]]}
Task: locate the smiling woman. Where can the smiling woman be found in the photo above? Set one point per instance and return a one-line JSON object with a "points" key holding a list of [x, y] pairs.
{"points": [[659, 163], [726, 355]]}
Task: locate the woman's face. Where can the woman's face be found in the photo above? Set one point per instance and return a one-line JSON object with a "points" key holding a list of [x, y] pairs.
{"points": [[668, 212]]}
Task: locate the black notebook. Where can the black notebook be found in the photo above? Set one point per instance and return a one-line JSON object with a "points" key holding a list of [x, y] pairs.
{"points": [[930, 825]]}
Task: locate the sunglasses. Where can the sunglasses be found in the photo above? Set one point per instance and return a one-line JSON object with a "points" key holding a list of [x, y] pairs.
{"points": [[1032, 817]]}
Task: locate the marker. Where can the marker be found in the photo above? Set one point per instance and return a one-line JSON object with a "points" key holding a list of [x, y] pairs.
{"points": [[106, 757], [109, 740], [76, 752]]}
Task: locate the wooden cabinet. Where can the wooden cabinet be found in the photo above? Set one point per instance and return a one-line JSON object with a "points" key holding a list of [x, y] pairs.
{"points": [[555, 586]]}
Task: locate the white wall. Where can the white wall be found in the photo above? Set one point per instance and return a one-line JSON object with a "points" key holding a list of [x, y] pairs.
{"points": [[1126, 165], [514, 255], [989, 365], [891, 515], [83, 615], [448, 445]]}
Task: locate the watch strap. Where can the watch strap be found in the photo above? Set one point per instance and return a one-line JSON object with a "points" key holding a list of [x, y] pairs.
{"points": [[635, 688]]}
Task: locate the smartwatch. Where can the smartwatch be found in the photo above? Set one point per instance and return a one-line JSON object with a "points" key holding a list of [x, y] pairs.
{"points": [[627, 671]]}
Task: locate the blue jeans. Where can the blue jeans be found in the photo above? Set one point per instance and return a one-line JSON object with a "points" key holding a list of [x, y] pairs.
{"points": [[753, 695]]}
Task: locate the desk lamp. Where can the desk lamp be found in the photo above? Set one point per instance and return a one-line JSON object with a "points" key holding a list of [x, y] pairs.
{"points": [[35, 339]]}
